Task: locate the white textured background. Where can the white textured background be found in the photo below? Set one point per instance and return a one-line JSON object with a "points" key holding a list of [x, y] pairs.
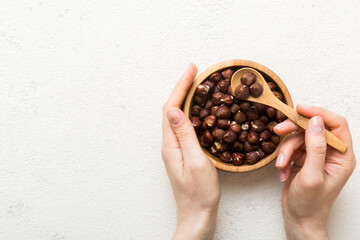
{"points": [[82, 84]]}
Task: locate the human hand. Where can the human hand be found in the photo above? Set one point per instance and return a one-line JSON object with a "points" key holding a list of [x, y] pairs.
{"points": [[192, 175], [314, 172]]}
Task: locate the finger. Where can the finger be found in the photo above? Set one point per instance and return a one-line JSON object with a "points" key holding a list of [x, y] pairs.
{"points": [[175, 100], [287, 148], [185, 134], [284, 173], [315, 142], [286, 127], [181, 88], [335, 123]]}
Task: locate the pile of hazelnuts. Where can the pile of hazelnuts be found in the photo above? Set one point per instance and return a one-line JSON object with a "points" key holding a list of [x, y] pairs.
{"points": [[231, 128]]}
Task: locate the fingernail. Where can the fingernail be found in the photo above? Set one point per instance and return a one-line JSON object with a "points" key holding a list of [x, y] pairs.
{"points": [[282, 175], [317, 124], [280, 160], [279, 126], [174, 116]]}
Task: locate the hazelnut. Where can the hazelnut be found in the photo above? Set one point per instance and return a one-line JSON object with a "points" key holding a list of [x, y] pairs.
{"points": [[210, 121], [217, 98], [252, 113], [228, 100], [199, 100], [275, 138], [218, 134], [216, 90], [195, 110], [280, 116], [240, 117], [221, 146], [248, 147], [248, 78], [230, 136], [230, 91], [252, 137], [244, 106], [210, 84], [264, 119], [204, 113], [202, 90], [196, 122], [245, 126], [271, 125], [261, 153], [264, 135], [223, 85], [243, 136], [227, 74], [257, 126], [270, 112], [214, 151], [278, 95], [252, 157], [204, 142], [208, 137], [260, 107], [222, 112], [237, 146], [223, 123], [268, 147], [215, 77], [226, 156], [272, 86], [203, 127], [235, 127], [234, 108], [242, 91], [208, 104], [214, 109], [237, 159], [256, 89]]}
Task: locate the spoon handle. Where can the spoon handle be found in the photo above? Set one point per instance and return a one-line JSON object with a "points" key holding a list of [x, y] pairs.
{"points": [[303, 122]]}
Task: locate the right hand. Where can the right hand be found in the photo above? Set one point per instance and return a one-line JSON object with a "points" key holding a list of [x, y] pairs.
{"points": [[314, 173]]}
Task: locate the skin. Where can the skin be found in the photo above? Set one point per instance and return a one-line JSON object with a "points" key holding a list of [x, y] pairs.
{"points": [[314, 174]]}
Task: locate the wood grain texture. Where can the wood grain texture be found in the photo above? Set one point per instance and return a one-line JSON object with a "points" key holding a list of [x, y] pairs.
{"points": [[236, 64], [268, 98]]}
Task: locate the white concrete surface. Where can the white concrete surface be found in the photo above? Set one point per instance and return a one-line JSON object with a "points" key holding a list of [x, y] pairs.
{"points": [[82, 84]]}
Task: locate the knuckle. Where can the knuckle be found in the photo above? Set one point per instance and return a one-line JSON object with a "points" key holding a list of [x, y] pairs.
{"points": [[313, 183], [165, 107], [318, 147], [343, 121], [197, 165], [183, 134]]}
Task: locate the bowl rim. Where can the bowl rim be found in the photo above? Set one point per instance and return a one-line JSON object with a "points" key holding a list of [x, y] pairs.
{"points": [[186, 107]]}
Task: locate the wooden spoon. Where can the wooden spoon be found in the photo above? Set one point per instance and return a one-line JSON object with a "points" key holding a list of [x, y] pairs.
{"points": [[268, 98]]}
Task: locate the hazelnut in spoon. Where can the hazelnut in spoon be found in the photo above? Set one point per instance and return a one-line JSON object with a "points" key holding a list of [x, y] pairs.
{"points": [[248, 84]]}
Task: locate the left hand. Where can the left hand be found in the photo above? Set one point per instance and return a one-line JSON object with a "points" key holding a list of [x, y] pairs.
{"points": [[192, 175]]}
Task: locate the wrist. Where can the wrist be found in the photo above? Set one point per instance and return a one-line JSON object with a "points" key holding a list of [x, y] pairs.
{"points": [[305, 230], [200, 225]]}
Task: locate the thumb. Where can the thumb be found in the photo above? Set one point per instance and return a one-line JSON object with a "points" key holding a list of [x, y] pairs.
{"points": [[315, 142], [185, 134]]}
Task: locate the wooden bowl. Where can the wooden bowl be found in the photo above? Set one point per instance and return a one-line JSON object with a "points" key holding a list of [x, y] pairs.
{"points": [[235, 65]]}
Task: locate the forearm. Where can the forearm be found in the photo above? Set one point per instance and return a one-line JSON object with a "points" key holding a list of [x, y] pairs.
{"points": [[198, 226]]}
